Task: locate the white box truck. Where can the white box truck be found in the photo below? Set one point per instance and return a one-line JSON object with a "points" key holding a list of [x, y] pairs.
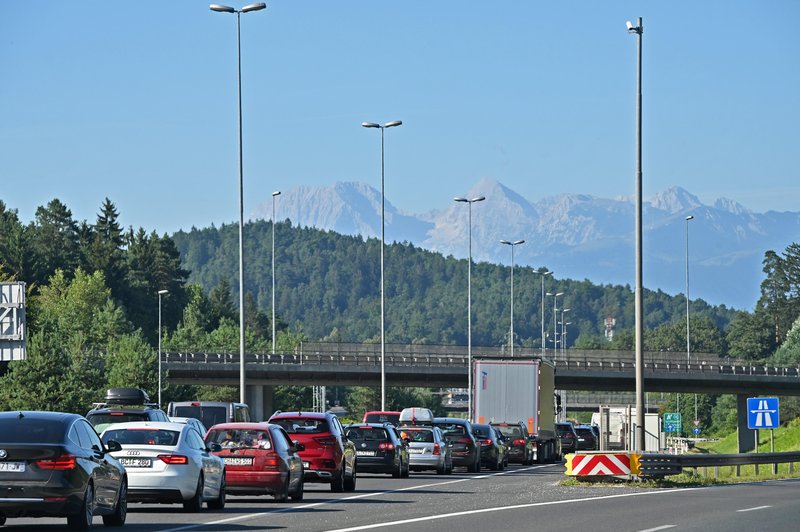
{"points": [[509, 390]]}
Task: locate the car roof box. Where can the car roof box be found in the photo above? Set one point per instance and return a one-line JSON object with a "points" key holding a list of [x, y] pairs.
{"points": [[416, 416], [126, 396]]}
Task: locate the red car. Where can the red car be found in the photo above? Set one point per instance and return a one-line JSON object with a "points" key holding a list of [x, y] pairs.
{"points": [[259, 459], [328, 456]]}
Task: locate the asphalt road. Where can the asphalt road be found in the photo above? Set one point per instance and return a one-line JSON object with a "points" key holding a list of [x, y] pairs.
{"points": [[520, 498]]}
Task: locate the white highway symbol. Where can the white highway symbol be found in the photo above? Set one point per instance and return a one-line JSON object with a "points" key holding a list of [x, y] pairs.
{"points": [[763, 414]]}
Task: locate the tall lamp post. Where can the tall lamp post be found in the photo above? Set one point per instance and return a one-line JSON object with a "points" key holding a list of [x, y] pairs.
{"points": [[383, 237], [639, 435], [160, 293], [246, 9], [688, 348], [555, 321], [513, 245], [563, 333], [274, 196], [543, 274], [469, 203]]}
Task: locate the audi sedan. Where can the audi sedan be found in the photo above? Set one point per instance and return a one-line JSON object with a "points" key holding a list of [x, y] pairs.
{"points": [[169, 463], [53, 464]]}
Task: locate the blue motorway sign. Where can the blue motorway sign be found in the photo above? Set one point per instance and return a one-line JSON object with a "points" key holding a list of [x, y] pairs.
{"points": [[696, 431], [762, 413]]}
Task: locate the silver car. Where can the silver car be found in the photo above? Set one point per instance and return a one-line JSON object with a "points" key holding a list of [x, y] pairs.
{"points": [[169, 463], [427, 449]]}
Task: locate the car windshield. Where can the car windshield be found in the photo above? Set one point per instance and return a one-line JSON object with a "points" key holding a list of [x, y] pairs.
{"points": [[240, 438], [509, 431], [144, 436], [209, 415], [101, 422], [299, 425], [417, 435], [376, 417], [367, 434], [27, 430]]}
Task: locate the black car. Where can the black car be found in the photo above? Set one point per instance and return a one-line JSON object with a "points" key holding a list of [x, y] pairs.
{"points": [[466, 448], [379, 449], [521, 447], [493, 449], [122, 405], [587, 441], [53, 464], [568, 437]]}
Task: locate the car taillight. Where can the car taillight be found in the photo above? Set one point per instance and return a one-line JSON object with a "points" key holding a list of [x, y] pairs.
{"points": [[437, 449], [66, 461], [271, 463], [518, 443], [386, 446], [486, 442], [173, 459], [326, 440]]}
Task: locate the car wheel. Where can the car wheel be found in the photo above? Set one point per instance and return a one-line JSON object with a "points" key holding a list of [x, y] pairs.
{"points": [[350, 483], [195, 504], [337, 481], [297, 496], [219, 502], [407, 470], [283, 495], [83, 519], [121, 509], [399, 472], [449, 469], [476, 467]]}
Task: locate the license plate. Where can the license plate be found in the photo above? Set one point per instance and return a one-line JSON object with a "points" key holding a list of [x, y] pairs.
{"points": [[12, 467], [365, 453], [136, 462], [229, 460], [306, 465], [416, 451]]}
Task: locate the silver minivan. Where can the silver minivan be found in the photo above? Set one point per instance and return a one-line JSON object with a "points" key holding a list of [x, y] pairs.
{"points": [[427, 449]]}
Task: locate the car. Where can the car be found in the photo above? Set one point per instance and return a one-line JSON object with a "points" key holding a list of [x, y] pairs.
{"points": [[568, 437], [260, 459], [53, 464], [328, 456], [169, 463], [381, 417], [123, 405], [194, 422], [465, 449], [428, 449], [493, 449], [587, 441], [379, 449], [211, 412], [521, 447]]}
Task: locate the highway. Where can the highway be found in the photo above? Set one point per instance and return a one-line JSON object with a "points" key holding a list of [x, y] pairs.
{"points": [[520, 498]]}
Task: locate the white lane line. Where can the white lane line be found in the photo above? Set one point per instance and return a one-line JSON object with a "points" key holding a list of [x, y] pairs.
{"points": [[343, 499], [753, 509], [503, 508], [662, 527]]}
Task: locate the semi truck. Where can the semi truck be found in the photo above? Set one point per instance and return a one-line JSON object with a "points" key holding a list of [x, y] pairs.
{"points": [[510, 390]]}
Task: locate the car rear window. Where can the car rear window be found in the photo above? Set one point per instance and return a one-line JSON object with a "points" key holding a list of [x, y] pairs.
{"points": [[209, 415], [240, 438], [482, 431], [148, 436], [509, 431], [585, 432], [301, 425], [452, 429], [27, 430], [367, 434], [417, 435], [382, 418], [563, 429], [101, 422]]}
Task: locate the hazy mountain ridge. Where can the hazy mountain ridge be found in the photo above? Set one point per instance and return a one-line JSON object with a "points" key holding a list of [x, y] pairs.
{"points": [[578, 236]]}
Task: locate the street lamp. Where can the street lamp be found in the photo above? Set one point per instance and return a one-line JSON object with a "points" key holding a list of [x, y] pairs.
{"points": [[274, 195], [513, 245], [246, 9], [555, 321], [638, 299], [383, 236], [469, 203], [563, 333], [160, 293], [543, 274], [688, 351]]}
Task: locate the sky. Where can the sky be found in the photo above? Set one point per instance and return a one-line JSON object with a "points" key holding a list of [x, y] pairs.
{"points": [[137, 102]]}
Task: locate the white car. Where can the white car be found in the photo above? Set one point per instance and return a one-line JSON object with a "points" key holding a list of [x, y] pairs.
{"points": [[169, 463], [193, 421]]}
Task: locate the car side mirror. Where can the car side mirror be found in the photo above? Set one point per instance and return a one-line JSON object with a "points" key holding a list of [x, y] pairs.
{"points": [[214, 447], [406, 440], [113, 446], [298, 447]]}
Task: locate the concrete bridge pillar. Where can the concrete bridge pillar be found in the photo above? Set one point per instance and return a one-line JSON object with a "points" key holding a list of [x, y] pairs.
{"points": [[747, 437], [261, 400]]}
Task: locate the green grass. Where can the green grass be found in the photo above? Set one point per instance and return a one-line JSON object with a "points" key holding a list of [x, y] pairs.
{"points": [[786, 439]]}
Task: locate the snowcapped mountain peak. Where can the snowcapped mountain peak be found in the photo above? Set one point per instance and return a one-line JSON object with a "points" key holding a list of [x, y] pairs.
{"points": [[675, 200], [733, 207]]}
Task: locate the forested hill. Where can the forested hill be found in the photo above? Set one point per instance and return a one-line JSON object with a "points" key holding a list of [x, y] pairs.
{"points": [[328, 287]]}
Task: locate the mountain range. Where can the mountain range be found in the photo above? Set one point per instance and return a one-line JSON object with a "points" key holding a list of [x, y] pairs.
{"points": [[576, 236]]}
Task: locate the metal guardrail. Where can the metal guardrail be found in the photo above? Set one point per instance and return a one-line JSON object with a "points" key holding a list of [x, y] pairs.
{"points": [[661, 465]]}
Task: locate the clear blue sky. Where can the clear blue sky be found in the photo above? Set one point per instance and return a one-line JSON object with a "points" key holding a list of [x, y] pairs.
{"points": [[137, 101]]}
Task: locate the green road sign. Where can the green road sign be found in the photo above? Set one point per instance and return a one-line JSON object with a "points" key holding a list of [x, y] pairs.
{"points": [[672, 422]]}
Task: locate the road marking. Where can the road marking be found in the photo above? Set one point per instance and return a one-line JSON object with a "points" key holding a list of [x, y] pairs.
{"points": [[753, 509], [344, 499], [503, 508], [662, 527]]}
